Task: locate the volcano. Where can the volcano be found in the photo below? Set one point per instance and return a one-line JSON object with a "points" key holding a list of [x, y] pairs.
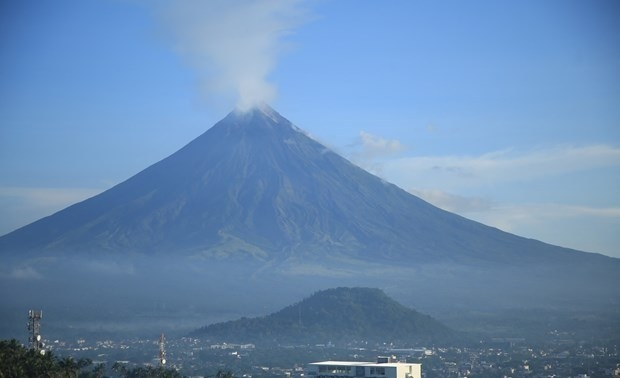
{"points": [[256, 187], [258, 194]]}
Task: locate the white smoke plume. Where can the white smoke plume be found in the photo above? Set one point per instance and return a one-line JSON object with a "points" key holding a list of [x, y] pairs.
{"points": [[233, 45]]}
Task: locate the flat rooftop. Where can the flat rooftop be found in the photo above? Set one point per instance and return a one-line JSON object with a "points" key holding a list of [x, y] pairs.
{"points": [[361, 363]]}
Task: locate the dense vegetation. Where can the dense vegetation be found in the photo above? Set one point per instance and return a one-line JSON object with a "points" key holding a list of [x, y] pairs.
{"points": [[16, 361], [340, 316]]}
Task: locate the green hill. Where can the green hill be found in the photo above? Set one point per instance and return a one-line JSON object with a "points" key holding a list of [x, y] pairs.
{"points": [[341, 316]]}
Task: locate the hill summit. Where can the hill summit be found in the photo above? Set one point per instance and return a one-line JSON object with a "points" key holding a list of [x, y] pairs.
{"points": [[341, 315]]}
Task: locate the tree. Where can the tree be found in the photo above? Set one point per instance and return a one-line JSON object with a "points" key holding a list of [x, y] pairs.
{"points": [[145, 372], [119, 369], [98, 371], [41, 365], [224, 374], [16, 362], [12, 355], [68, 367]]}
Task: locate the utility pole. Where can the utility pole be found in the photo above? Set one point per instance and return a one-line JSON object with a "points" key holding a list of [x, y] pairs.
{"points": [[34, 330]]}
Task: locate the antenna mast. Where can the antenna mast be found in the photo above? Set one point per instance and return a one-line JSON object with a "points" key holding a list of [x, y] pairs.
{"points": [[162, 350], [34, 330]]}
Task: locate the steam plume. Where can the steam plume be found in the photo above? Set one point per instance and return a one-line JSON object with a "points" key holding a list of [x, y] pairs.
{"points": [[232, 44]]}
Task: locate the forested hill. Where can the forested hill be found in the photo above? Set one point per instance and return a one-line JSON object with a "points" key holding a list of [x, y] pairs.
{"points": [[340, 316]]}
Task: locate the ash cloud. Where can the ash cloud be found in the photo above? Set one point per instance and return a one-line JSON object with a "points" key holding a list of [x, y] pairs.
{"points": [[232, 45]]}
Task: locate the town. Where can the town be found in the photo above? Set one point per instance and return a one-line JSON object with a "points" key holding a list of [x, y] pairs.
{"points": [[559, 357]]}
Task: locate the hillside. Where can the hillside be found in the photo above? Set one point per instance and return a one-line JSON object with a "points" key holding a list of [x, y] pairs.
{"points": [[341, 316]]}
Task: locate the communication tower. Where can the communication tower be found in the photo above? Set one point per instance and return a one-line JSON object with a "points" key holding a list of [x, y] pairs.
{"points": [[162, 350], [34, 330]]}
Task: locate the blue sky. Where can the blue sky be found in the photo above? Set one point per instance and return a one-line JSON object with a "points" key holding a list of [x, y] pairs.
{"points": [[504, 112]]}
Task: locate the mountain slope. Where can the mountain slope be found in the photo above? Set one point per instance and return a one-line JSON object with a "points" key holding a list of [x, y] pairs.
{"points": [[339, 315], [256, 187]]}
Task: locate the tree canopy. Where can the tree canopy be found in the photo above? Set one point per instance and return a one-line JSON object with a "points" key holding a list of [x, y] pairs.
{"points": [[16, 361]]}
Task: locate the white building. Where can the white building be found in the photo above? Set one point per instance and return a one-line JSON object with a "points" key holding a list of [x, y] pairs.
{"points": [[385, 367]]}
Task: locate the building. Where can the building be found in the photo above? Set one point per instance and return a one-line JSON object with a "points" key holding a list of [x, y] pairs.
{"points": [[385, 367]]}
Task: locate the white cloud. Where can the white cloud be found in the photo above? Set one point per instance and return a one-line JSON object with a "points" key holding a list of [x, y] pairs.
{"points": [[25, 273], [580, 227], [232, 45], [564, 195], [454, 203], [370, 150], [373, 146], [586, 228], [110, 267], [451, 173]]}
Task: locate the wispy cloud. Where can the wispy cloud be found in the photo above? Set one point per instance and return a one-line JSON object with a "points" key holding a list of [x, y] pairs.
{"points": [[585, 228], [454, 203], [592, 229], [542, 211], [232, 45], [369, 150], [25, 273], [538, 193], [110, 267], [372, 146], [453, 172]]}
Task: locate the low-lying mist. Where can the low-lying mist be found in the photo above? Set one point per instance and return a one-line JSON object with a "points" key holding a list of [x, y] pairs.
{"points": [[118, 298]]}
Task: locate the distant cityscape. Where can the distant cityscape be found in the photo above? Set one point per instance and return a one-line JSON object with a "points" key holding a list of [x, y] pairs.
{"points": [[564, 352], [515, 358]]}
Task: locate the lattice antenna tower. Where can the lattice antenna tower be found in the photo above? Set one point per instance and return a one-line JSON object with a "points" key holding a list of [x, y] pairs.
{"points": [[162, 350], [34, 330]]}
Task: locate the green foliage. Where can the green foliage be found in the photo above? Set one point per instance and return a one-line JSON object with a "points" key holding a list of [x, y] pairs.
{"points": [[16, 361], [145, 372], [224, 374]]}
